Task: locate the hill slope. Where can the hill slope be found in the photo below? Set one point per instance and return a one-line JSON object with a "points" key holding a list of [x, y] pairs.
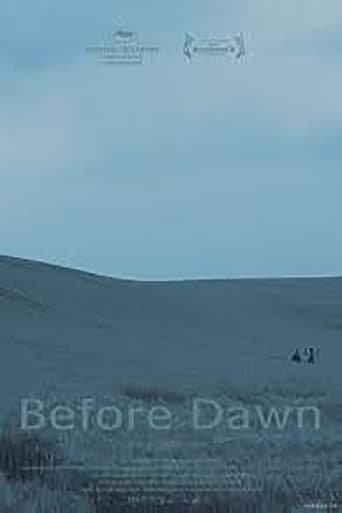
{"points": [[65, 326], [66, 334]]}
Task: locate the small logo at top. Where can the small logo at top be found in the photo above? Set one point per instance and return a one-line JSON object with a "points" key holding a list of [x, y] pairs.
{"points": [[125, 48], [199, 45]]}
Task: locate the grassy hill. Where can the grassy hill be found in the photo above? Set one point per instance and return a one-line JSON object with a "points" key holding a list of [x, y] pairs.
{"points": [[66, 335]]}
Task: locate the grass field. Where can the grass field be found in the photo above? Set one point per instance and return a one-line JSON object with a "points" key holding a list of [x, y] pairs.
{"points": [[67, 336]]}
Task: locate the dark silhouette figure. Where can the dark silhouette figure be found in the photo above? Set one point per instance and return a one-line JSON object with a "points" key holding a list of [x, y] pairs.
{"points": [[311, 358], [296, 357]]}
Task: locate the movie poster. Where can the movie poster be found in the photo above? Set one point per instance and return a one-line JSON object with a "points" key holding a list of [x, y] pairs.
{"points": [[171, 256]]}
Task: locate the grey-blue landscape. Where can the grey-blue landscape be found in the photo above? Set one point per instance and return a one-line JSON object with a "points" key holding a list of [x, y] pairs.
{"points": [[120, 395], [170, 256]]}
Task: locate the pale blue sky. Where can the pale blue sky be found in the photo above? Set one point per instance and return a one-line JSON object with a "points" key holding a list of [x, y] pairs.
{"points": [[170, 169]]}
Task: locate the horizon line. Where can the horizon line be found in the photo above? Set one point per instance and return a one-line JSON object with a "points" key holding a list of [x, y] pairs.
{"points": [[172, 279]]}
